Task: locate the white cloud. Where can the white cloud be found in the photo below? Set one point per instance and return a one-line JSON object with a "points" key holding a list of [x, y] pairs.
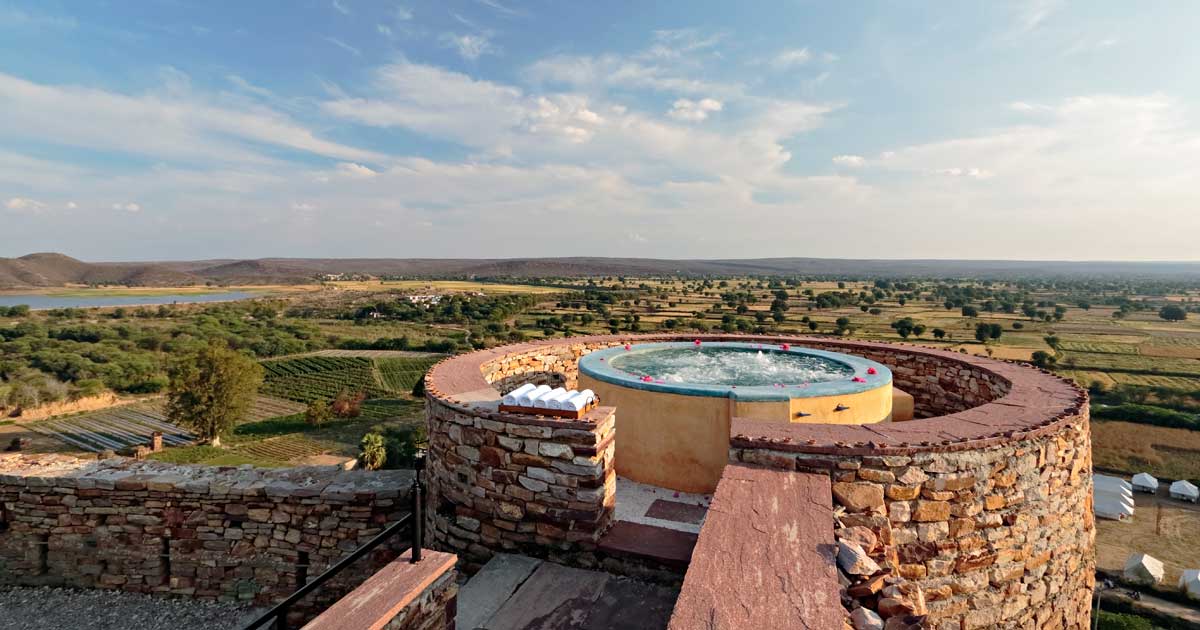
{"points": [[24, 204], [791, 58], [341, 7], [176, 124], [344, 46], [355, 171], [501, 8], [469, 46], [128, 206], [384, 30], [71, 205], [403, 14], [852, 161], [246, 86], [693, 111]]}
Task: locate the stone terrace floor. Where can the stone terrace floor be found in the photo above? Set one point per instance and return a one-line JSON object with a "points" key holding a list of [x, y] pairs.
{"points": [[520, 593], [660, 507]]}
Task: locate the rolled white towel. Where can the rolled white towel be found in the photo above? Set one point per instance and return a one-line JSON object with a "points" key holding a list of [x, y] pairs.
{"points": [[542, 402], [556, 402], [511, 397], [526, 399], [578, 401]]}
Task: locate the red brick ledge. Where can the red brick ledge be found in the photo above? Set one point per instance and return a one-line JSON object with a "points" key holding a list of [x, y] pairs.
{"points": [[1037, 403], [382, 596]]}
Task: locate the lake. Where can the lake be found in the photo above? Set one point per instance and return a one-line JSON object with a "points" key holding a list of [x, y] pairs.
{"points": [[41, 302]]}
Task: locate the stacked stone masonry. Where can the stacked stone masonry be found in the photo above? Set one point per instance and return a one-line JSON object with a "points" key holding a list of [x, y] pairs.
{"points": [[435, 609], [217, 533], [982, 505], [512, 483]]}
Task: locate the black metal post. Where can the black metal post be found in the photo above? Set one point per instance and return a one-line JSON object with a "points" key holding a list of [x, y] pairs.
{"points": [[418, 524], [418, 528], [281, 618]]}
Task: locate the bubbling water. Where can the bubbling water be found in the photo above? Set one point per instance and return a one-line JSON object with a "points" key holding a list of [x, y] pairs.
{"points": [[731, 366]]}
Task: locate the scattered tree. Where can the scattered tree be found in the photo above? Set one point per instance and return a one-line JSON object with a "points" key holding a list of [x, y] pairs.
{"points": [[211, 390], [317, 413], [1173, 313]]}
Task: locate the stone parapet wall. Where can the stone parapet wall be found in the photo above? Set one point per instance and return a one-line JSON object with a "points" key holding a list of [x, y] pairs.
{"points": [[996, 537], [197, 531], [504, 482]]}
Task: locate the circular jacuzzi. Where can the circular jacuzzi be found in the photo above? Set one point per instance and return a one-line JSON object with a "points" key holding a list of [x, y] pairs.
{"points": [[676, 400]]}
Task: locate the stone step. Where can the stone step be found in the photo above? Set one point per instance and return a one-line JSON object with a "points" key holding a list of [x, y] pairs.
{"points": [[519, 593], [668, 547], [491, 587]]}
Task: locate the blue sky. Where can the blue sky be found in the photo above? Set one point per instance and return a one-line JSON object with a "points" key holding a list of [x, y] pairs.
{"points": [[1034, 129]]}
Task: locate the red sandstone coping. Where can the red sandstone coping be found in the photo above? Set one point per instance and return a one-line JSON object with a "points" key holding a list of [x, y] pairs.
{"points": [[765, 556], [383, 595], [1037, 403]]}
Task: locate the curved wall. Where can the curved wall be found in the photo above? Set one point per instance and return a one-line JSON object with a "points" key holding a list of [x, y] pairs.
{"points": [[984, 501]]}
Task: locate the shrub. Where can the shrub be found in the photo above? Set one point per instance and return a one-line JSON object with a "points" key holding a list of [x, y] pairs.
{"points": [[371, 451], [1121, 621], [347, 405], [401, 445], [318, 413], [1148, 414]]}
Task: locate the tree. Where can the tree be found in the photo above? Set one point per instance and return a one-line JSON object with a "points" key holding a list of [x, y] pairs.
{"points": [[904, 327], [371, 451], [970, 311], [982, 332], [211, 390], [938, 333], [317, 413], [1173, 313], [1044, 359]]}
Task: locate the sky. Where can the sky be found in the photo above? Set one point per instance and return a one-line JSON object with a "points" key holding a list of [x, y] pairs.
{"points": [[195, 129]]}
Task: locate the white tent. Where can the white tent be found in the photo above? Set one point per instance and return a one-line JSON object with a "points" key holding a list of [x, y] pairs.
{"points": [[1145, 482], [1111, 507], [1104, 481], [1143, 569], [1119, 499], [1189, 583], [1184, 491]]}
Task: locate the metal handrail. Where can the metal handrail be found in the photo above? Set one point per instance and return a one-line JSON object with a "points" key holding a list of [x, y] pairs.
{"points": [[280, 611]]}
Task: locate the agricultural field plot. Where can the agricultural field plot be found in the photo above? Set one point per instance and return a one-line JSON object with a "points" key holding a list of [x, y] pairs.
{"points": [[1129, 448], [114, 428], [281, 450], [441, 286], [1133, 363], [311, 378], [265, 407], [1098, 347]]}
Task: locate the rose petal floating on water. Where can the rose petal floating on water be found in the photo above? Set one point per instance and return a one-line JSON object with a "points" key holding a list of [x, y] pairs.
{"points": [[627, 347], [859, 379], [871, 370], [785, 347], [697, 342]]}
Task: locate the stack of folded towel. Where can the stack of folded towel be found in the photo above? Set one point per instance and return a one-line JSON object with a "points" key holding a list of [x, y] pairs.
{"points": [[546, 397]]}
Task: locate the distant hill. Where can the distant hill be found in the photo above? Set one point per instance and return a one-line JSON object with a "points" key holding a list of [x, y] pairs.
{"points": [[53, 270]]}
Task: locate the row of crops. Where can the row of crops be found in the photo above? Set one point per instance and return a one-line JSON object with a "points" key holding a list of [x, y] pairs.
{"points": [[309, 378], [114, 428]]}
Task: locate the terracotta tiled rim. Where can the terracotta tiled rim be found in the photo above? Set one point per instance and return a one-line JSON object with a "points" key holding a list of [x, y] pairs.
{"points": [[1009, 400]]}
